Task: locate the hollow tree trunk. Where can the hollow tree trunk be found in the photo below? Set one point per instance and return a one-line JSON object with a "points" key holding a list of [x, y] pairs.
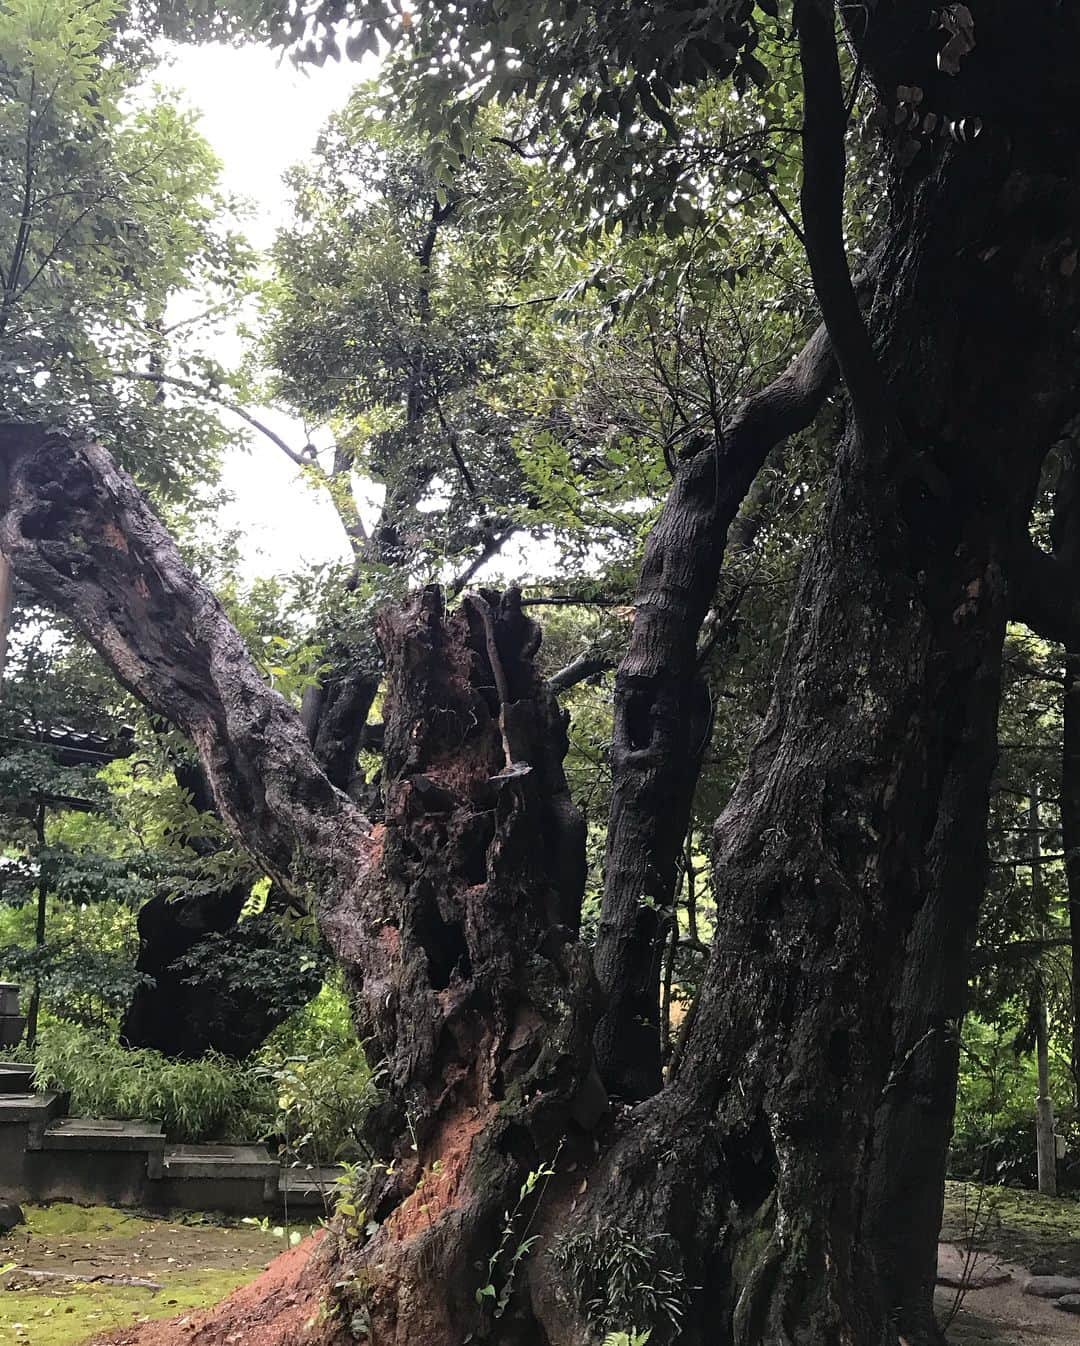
{"points": [[455, 920]]}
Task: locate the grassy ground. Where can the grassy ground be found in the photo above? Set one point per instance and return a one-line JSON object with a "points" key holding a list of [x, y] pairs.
{"points": [[195, 1260]]}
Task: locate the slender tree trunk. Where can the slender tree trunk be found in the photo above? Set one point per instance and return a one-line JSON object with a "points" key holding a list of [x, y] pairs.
{"points": [[34, 1008], [1070, 837], [1046, 1146], [6, 604], [335, 714]]}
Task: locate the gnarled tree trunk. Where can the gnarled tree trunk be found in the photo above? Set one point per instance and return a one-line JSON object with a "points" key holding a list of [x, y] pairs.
{"points": [[750, 1198], [796, 1162], [455, 919]]}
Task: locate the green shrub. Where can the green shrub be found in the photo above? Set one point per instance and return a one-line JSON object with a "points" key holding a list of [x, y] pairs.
{"points": [[323, 1084], [212, 1097], [86, 967], [308, 1090], [322, 1026], [994, 1133], [322, 1104]]}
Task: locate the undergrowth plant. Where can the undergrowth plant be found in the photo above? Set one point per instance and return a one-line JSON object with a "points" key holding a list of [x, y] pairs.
{"points": [[309, 1088], [322, 1102], [210, 1098], [618, 1277], [514, 1245]]}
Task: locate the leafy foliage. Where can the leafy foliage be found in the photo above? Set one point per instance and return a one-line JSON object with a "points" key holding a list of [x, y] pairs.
{"points": [[308, 1090], [619, 1277], [193, 1100], [111, 209]]}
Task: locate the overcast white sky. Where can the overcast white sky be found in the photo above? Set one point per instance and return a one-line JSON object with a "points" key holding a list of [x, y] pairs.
{"points": [[261, 115]]}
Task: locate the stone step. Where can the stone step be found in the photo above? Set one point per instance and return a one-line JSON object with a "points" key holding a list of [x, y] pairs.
{"points": [[238, 1179], [110, 1136], [103, 1133], [16, 1078], [34, 1111], [219, 1161], [308, 1186]]}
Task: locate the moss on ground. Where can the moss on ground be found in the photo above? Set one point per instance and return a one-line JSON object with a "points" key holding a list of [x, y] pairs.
{"points": [[1040, 1233], [197, 1260], [69, 1314], [63, 1220]]}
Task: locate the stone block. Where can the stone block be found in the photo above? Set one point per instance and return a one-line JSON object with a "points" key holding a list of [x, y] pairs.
{"points": [[236, 1179], [1052, 1287], [16, 1078], [313, 1188]]}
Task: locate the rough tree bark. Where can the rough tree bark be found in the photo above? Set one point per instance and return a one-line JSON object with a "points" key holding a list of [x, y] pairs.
{"points": [[455, 919], [797, 1159], [334, 713]]}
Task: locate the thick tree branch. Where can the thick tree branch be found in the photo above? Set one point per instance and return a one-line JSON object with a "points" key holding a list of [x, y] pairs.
{"points": [[78, 531], [493, 544], [582, 668], [662, 711], [822, 201], [1043, 593]]}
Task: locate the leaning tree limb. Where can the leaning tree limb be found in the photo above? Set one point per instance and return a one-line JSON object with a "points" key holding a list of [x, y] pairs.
{"points": [[78, 531], [661, 709], [825, 118]]}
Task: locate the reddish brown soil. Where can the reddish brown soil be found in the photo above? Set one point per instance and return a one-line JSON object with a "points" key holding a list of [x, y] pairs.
{"points": [[282, 1307], [439, 1190]]}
